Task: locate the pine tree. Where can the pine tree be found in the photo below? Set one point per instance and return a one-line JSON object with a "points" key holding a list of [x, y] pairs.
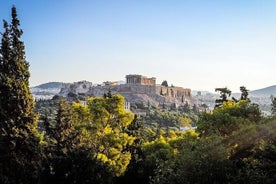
{"points": [[103, 131], [19, 138], [224, 92], [244, 93]]}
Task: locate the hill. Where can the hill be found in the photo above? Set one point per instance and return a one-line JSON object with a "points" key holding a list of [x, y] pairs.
{"points": [[133, 93], [264, 92], [47, 90], [49, 85]]}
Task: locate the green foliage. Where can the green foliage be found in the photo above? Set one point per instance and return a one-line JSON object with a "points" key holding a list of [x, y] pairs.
{"points": [[228, 118], [135, 172], [47, 110], [77, 166], [165, 83], [108, 94], [185, 108], [157, 150], [198, 161], [140, 105], [102, 127], [67, 159], [253, 147], [246, 156], [173, 107], [59, 137], [244, 93], [19, 138], [159, 156], [224, 92], [273, 105], [195, 109], [166, 119], [64, 133]]}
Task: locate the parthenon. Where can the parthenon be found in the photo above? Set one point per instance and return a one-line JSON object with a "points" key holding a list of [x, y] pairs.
{"points": [[140, 79]]}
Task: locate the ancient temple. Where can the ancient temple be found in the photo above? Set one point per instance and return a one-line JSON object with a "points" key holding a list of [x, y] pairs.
{"points": [[140, 79], [137, 88]]}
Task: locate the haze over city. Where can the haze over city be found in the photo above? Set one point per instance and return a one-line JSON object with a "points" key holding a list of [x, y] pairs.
{"points": [[195, 44]]}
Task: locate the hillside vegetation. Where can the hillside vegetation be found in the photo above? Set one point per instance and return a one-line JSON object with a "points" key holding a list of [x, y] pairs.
{"points": [[102, 142]]}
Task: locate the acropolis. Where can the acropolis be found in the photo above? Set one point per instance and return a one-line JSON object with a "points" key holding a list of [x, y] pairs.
{"points": [[138, 88]]}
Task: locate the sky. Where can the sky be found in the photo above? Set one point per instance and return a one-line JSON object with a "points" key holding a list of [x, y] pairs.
{"points": [[197, 44]]}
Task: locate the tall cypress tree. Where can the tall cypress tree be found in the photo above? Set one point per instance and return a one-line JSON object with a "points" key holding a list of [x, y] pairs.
{"points": [[19, 140], [64, 132], [61, 143]]}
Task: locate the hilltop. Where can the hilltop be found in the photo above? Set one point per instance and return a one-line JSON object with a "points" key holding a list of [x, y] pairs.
{"points": [[138, 89]]}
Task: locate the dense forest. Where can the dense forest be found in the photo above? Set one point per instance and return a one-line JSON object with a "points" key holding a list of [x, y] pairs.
{"points": [[101, 142]]}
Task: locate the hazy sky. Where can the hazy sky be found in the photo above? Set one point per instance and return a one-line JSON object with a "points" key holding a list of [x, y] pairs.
{"points": [[198, 44]]}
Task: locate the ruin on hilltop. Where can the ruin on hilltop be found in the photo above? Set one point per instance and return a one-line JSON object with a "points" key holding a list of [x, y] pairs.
{"points": [[137, 89]]}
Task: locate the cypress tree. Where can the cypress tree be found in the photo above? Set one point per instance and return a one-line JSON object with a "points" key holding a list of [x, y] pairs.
{"points": [[19, 138], [64, 132], [62, 141]]}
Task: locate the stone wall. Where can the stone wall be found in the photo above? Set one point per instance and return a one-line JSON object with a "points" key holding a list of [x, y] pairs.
{"points": [[143, 89], [174, 92], [123, 88]]}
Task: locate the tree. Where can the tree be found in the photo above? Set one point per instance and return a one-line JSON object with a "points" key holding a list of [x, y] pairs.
{"points": [[108, 94], [193, 159], [185, 108], [64, 132], [246, 156], [252, 150], [67, 159], [62, 154], [165, 83], [102, 129], [244, 93], [273, 105], [173, 107], [224, 92], [135, 172], [228, 118], [195, 109], [19, 138]]}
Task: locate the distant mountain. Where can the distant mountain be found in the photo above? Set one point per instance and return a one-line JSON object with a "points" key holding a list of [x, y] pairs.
{"points": [[264, 92], [47, 90], [49, 85]]}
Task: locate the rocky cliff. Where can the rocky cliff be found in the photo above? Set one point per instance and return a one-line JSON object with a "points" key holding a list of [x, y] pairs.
{"points": [[133, 93]]}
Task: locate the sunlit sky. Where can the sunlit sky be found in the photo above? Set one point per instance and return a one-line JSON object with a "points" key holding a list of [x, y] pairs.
{"points": [[197, 44]]}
